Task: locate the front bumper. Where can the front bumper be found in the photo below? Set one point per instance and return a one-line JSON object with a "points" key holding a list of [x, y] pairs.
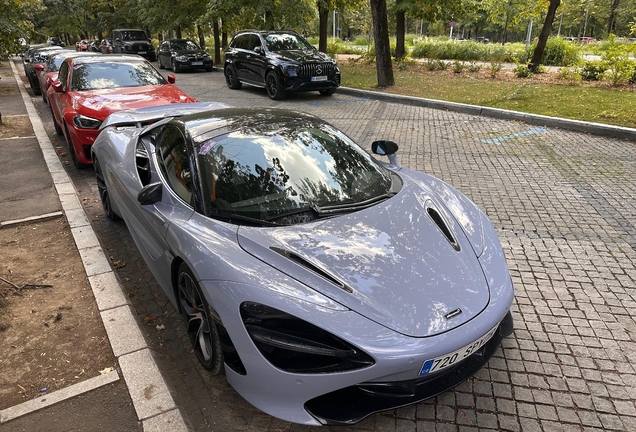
{"points": [[83, 140], [301, 84], [194, 64], [352, 404]]}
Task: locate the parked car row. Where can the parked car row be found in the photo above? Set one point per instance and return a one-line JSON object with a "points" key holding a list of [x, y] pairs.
{"points": [[327, 284]]}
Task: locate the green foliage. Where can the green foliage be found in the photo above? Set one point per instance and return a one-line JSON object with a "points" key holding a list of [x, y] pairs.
{"points": [[458, 66], [434, 64], [569, 73], [362, 41], [620, 67], [15, 23], [443, 48], [474, 67], [494, 68], [559, 52], [593, 70], [522, 71]]}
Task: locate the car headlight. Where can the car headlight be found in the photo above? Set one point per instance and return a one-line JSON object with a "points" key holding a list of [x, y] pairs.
{"points": [[290, 69], [297, 346], [181, 58], [84, 122], [207, 56]]}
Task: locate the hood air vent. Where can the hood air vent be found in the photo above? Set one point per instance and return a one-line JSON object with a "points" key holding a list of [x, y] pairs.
{"points": [[309, 266], [441, 224]]}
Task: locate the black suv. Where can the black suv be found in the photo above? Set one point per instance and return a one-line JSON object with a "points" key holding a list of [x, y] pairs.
{"points": [[280, 61], [133, 41]]}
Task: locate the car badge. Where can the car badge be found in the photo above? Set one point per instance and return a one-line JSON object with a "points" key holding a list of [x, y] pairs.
{"points": [[318, 69], [453, 314]]}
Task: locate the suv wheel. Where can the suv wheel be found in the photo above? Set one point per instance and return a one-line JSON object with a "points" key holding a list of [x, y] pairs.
{"points": [[230, 78], [159, 63], [274, 88]]}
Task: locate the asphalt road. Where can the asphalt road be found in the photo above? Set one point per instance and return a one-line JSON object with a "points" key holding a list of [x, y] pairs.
{"points": [[564, 206]]}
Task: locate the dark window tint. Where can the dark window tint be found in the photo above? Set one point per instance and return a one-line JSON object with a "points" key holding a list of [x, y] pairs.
{"points": [[174, 164], [186, 45], [286, 42], [132, 35], [62, 76]]}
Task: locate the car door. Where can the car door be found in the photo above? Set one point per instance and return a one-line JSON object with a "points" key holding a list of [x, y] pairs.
{"points": [[151, 222], [257, 60], [59, 100], [163, 55]]}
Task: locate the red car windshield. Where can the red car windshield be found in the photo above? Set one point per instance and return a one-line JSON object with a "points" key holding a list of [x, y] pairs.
{"points": [[108, 75]]}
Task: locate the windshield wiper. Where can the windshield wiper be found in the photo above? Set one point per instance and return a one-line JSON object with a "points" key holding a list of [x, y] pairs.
{"points": [[230, 217]]}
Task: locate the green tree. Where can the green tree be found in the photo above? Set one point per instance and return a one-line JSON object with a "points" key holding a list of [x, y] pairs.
{"points": [[15, 23]]}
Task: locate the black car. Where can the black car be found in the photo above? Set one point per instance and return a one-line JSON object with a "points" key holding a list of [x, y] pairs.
{"points": [[280, 61], [54, 41], [181, 54], [133, 41], [33, 56]]}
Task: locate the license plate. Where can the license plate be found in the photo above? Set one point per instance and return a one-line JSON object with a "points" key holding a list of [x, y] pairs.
{"points": [[197, 63], [141, 52], [439, 363], [319, 78]]}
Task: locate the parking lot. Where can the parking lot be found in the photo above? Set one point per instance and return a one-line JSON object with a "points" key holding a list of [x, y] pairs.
{"points": [[564, 206]]}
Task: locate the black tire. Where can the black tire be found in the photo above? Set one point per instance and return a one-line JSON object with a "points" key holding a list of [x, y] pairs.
{"points": [[35, 87], [58, 129], [230, 78], [71, 148], [202, 331], [273, 86], [327, 92], [175, 67], [103, 192], [209, 68], [161, 66]]}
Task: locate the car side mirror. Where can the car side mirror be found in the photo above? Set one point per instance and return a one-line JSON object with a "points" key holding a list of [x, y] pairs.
{"points": [[57, 86], [150, 194], [386, 148], [171, 79], [258, 50], [116, 39], [39, 67]]}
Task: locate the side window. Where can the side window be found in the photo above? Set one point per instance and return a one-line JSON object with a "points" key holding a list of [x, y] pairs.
{"points": [[172, 155], [254, 42], [115, 35], [241, 42], [62, 75]]}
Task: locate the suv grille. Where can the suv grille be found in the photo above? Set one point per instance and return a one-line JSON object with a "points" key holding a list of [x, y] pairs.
{"points": [[316, 69]]}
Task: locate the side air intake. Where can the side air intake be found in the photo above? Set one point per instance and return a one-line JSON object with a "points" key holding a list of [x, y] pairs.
{"points": [[309, 266], [441, 224]]}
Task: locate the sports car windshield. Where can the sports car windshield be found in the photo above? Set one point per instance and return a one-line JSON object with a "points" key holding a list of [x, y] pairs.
{"points": [[286, 42], [291, 175], [108, 75]]}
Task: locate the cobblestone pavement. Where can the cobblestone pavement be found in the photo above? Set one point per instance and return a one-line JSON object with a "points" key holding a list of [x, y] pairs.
{"points": [[564, 206]]}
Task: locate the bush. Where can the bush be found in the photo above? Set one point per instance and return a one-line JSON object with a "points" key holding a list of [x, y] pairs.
{"points": [[494, 68], [433, 64], [593, 70], [474, 67], [445, 49], [559, 52], [620, 67], [458, 66], [569, 73], [522, 71]]}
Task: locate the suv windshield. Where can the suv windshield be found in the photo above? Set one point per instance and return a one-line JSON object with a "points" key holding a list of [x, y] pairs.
{"points": [[286, 42], [289, 175], [133, 35], [95, 76]]}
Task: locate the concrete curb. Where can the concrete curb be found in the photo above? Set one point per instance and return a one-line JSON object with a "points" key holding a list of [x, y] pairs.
{"points": [[149, 392], [533, 119]]}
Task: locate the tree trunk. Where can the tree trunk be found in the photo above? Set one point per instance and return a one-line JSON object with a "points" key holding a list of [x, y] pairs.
{"points": [[612, 18], [201, 36], [383, 66], [178, 32], [400, 31], [537, 55], [323, 14], [217, 44]]}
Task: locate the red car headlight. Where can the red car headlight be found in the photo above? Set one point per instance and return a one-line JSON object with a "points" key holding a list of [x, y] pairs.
{"points": [[83, 122]]}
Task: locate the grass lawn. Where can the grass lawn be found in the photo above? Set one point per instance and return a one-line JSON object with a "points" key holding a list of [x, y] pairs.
{"points": [[541, 94]]}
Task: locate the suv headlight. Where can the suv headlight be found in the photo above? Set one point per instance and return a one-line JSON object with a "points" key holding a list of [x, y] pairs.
{"points": [[84, 122], [289, 69]]}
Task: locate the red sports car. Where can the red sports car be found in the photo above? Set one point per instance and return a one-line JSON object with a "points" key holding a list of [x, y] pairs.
{"points": [[47, 72], [90, 88]]}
